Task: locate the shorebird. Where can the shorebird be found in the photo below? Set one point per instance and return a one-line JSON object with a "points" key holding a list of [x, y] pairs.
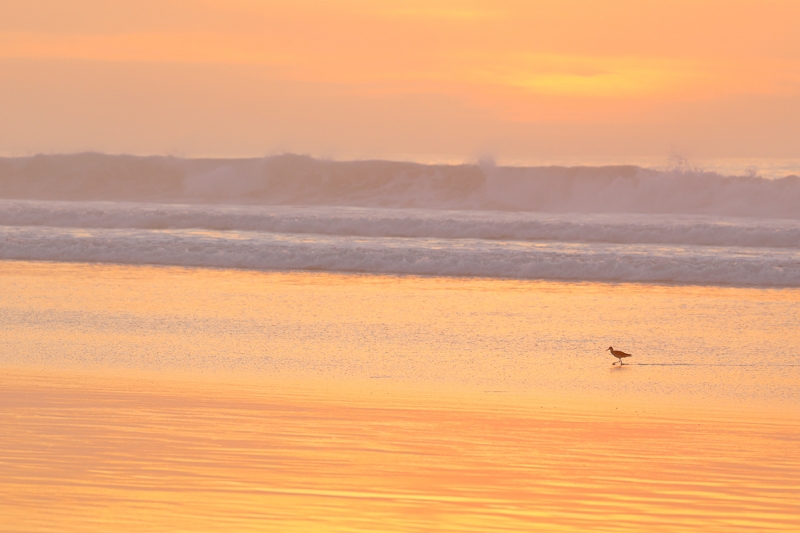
{"points": [[619, 354]]}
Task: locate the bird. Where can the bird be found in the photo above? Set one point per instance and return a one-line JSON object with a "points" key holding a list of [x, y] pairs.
{"points": [[619, 354]]}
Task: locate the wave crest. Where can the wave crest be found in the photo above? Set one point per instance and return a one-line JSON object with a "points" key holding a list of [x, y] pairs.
{"points": [[300, 180]]}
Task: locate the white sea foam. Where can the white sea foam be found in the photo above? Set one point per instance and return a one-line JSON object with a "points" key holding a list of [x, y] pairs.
{"points": [[444, 224], [463, 257]]}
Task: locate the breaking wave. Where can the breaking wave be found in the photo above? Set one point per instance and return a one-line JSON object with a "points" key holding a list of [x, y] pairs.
{"points": [[616, 223], [299, 180]]}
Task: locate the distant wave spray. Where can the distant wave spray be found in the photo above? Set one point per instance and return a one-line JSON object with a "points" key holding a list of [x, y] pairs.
{"points": [[298, 180]]}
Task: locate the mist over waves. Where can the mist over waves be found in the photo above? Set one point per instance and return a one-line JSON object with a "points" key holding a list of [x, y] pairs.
{"points": [[301, 180]]}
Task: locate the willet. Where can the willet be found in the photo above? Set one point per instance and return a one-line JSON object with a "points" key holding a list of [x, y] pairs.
{"points": [[619, 354]]}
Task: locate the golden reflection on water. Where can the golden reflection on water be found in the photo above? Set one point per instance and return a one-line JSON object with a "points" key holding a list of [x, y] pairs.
{"points": [[94, 453], [159, 399]]}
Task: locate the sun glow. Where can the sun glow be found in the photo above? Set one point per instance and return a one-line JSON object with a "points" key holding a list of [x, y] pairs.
{"points": [[656, 63]]}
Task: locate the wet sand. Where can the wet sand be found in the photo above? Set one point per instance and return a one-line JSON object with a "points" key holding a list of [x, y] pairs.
{"points": [[92, 453], [161, 399]]}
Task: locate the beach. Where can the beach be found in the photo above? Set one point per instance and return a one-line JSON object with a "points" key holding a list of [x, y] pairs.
{"points": [[171, 398], [399, 266]]}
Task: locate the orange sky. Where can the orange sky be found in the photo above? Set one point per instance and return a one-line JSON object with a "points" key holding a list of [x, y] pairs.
{"points": [[425, 79]]}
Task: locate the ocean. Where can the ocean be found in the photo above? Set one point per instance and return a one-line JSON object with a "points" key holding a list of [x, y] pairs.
{"points": [[609, 223]]}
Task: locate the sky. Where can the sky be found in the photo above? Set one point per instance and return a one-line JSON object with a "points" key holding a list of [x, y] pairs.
{"points": [[425, 80]]}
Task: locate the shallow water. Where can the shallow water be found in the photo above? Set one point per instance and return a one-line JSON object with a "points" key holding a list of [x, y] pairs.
{"points": [[164, 399], [84, 454], [707, 344]]}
